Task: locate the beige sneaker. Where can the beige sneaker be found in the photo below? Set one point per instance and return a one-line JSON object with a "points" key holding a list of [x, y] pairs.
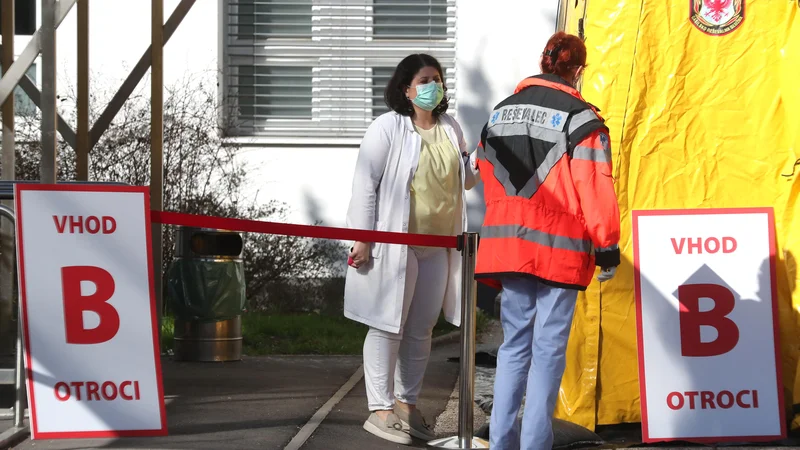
{"points": [[391, 429], [415, 424]]}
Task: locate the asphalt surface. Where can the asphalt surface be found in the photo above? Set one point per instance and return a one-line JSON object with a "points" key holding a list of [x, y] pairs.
{"points": [[343, 427], [261, 403], [257, 403]]}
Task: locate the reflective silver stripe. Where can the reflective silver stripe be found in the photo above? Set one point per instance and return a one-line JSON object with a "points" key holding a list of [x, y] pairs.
{"points": [[591, 154], [558, 150], [609, 249], [521, 129], [536, 236], [581, 119], [535, 115]]}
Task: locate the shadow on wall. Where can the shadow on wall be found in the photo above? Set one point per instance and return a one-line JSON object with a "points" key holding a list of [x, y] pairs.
{"points": [[473, 112], [313, 209], [472, 115], [551, 16]]}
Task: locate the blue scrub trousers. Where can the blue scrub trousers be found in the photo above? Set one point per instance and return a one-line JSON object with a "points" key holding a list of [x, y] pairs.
{"points": [[536, 321]]}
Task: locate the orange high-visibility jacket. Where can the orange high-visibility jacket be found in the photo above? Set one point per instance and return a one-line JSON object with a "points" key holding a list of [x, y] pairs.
{"points": [[551, 209]]}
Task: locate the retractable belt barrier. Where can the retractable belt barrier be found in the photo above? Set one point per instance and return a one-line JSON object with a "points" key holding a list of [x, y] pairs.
{"points": [[309, 231], [466, 243]]}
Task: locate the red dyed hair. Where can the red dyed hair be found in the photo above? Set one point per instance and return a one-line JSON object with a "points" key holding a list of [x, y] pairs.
{"points": [[562, 54]]}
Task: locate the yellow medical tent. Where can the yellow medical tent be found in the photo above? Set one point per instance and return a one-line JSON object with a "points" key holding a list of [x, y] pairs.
{"points": [[701, 117]]}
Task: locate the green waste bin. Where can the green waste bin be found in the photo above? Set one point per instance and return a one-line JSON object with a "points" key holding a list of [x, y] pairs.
{"points": [[206, 289]]}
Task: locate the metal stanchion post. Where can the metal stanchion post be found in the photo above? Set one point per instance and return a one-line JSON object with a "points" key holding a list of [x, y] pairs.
{"points": [[466, 391], [19, 385]]}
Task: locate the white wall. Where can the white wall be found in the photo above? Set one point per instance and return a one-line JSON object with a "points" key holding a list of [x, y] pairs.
{"points": [[498, 45], [314, 182]]}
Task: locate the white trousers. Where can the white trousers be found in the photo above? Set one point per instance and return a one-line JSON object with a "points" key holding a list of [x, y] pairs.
{"points": [[394, 364]]}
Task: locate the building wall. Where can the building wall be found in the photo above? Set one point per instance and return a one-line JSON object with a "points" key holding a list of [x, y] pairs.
{"points": [[496, 47]]}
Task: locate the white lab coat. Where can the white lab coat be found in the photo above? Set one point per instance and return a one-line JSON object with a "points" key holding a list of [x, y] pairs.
{"points": [[381, 201]]}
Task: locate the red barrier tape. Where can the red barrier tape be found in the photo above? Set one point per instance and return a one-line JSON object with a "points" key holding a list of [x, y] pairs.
{"points": [[343, 234]]}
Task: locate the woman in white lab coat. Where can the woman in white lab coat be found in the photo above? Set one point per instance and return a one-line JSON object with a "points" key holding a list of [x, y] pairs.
{"points": [[410, 176]]}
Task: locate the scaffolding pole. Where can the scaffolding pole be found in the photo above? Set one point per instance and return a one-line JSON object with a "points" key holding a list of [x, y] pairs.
{"points": [[82, 150], [7, 172], [49, 166], [157, 146]]}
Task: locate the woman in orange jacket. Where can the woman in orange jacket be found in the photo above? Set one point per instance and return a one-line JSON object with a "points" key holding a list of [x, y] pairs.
{"points": [[551, 217]]}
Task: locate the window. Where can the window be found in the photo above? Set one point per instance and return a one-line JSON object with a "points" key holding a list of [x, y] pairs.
{"points": [[266, 92], [409, 19], [317, 68], [380, 78], [24, 17], [23, 105]]}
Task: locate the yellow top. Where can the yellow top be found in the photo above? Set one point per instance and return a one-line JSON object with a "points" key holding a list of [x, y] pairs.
{"points": [[436, 187]]}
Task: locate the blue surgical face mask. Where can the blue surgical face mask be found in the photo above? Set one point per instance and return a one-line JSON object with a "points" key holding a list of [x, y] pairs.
{"points": [[429, 95]]}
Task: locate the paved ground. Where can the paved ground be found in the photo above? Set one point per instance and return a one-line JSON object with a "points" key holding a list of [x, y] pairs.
{"points": [[342, 429], [626, 436], [261, 403], [255, 403]]}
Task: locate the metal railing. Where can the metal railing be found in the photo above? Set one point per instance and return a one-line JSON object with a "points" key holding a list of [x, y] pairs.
{"points": [[18, 372], [16, 376]]}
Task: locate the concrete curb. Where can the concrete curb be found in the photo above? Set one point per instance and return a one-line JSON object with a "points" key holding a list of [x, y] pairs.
{"points": [[448, 338], [14, 436]]}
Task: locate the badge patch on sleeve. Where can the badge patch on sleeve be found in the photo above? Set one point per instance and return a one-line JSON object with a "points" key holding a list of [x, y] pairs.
{"points": [[606, 141]]}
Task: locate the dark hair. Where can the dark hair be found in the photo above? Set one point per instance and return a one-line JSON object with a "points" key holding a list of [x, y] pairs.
{"points": [[562, 54], [395, 93]]}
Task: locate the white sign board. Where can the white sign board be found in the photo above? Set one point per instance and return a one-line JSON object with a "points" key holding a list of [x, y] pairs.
{"points": [[89, 317], [707, 318]]}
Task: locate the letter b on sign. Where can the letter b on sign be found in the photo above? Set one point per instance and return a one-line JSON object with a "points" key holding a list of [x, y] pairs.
{"points": [[691, 319], [76, 303]]}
